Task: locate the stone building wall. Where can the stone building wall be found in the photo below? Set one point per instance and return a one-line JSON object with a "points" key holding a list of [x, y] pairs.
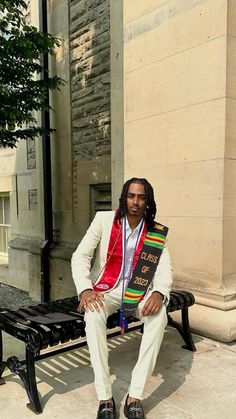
{"points": [[80, 146], [90, 101], [179, 89], [173, 94]]}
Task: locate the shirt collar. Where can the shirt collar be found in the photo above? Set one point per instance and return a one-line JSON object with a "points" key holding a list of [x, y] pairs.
{"points": [[128, 229]]}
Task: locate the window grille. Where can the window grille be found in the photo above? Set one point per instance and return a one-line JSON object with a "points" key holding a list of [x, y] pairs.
{"points": [[100, 198]]}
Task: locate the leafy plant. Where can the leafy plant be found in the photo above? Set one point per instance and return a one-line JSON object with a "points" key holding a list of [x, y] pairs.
{"points": [[22, 91]]}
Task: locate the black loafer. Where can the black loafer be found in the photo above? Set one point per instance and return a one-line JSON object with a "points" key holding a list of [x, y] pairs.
{"points": [[107, 410], [134, 410]]}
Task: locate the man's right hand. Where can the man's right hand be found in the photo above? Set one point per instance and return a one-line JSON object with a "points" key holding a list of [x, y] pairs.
{"points": [[91, 300]]}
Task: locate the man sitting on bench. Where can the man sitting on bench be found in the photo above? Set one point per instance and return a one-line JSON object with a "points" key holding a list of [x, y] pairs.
{"points": [[132, 272]]}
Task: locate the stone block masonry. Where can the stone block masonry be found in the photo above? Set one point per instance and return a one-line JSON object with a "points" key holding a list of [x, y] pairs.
{"points": [[90, 78]]}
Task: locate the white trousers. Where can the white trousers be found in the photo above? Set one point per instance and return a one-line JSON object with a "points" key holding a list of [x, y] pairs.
{"points": [[154, 327]]}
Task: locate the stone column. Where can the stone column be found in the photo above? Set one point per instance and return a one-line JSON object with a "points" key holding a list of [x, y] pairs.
{"points": [[179, 132]]}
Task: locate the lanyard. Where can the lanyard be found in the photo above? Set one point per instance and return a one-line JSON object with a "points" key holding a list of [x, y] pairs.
{"points": [[123, 321], [124, 251]]}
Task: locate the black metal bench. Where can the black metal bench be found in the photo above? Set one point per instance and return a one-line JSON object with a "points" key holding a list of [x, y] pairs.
{"points": [[38, 336]]}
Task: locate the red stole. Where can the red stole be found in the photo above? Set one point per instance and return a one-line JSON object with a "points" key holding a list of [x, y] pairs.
{"points": [[112, 270]]}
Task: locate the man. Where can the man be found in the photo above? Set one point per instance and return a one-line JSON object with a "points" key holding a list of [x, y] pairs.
{"points": [[131, 272]]}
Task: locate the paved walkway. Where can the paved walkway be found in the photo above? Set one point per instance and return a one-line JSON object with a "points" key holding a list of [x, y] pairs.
{"points": [[184, 385]]}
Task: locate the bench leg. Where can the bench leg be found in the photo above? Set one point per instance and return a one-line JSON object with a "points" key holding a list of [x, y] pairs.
{"points": [[34, 404], [187, 332], [29, 379], [2, 364], [184, 329]]}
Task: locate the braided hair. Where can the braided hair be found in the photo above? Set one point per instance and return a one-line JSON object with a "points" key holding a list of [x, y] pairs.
{"points": [[150, 210]]}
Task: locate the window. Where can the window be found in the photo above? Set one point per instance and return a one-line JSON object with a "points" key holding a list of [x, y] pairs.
{"points": [[100, 198], [4, 224]]}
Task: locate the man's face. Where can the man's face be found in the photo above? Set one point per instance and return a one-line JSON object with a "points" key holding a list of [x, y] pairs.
{"points": [[136, 200]]}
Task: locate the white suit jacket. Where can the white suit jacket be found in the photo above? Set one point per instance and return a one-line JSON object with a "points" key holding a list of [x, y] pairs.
{"points": [[97, 237]]}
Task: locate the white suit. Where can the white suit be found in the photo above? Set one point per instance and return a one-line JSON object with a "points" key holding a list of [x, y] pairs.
{"points": [[97, 237]]}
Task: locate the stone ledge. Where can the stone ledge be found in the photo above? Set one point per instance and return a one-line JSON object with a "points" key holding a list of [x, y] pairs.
{"points": [[57, 251], [211, 322], [26, 243], [219, 298]]}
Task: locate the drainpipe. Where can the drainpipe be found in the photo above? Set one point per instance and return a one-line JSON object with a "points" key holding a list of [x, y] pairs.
{"points": [[47, 180]]}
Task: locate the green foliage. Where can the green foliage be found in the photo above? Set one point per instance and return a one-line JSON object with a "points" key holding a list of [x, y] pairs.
{"points": [[22, 91]]}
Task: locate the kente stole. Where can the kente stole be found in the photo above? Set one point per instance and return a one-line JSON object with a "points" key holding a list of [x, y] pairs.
{"points": [[146, 258], [145, 268]]}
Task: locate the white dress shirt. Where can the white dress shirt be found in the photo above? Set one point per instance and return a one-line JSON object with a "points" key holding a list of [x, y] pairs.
{"points": [[132, 238]]}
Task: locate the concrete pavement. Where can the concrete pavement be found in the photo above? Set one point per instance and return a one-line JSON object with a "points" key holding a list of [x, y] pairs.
{"points": [[184, 385]]}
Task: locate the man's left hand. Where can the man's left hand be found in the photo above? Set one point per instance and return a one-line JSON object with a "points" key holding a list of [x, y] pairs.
{"points": [[152, 304]]}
